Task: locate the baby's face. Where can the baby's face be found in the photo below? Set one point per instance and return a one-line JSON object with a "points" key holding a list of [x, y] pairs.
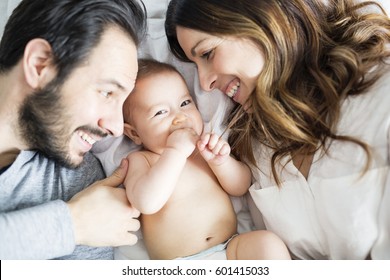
{"points": [[161, 104]]}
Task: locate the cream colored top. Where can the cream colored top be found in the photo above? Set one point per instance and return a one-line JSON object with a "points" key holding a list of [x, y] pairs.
{"points": [[336, 213]]}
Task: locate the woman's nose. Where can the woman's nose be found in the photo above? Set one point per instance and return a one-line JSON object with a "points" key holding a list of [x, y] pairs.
{"points": [[206, 79]]}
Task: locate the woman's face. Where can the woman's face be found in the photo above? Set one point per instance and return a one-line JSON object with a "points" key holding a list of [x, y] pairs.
{"points": [[229, 64]]}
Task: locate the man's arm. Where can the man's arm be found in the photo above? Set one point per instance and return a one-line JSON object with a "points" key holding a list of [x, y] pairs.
{"points": [[41, 232], [102, 215], [45, 227]]}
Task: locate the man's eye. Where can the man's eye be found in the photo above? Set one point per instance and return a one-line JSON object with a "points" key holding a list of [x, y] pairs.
{"points": [[185, 103]]}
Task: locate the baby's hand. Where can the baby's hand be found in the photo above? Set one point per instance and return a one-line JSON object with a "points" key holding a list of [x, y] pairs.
{"points": [[213, 148], [183, 140]]}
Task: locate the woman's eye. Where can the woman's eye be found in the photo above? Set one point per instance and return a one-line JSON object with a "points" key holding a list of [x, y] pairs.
{"points": [[185, 103], [207, 55], [106, 93]]}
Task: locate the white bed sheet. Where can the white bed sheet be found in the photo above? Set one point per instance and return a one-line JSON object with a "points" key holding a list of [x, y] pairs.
{"points": [[212, 106]]}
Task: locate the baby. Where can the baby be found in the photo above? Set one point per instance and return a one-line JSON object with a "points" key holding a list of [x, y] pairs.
{"points": [[181, 179]]}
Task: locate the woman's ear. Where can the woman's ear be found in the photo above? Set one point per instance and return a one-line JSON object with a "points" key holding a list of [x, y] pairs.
{"points": [[37, 63], [131, 132]]}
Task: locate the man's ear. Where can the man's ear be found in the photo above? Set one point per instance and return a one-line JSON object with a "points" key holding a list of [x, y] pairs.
{"points": [[130, 132], [37, 63]]}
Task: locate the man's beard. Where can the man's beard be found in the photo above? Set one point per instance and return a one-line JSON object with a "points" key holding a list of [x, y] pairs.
{"points": [[46, 126]]}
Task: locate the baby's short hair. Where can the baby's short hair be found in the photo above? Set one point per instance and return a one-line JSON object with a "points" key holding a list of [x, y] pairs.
{"points": [[148, 66]]}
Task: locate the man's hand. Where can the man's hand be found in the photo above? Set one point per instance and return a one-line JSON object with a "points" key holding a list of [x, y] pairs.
{"points": [[102, 215]]}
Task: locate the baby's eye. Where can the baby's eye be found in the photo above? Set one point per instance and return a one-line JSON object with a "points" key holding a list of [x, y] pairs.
{"points": [[106, 93], [185, 103], [160, 112]]}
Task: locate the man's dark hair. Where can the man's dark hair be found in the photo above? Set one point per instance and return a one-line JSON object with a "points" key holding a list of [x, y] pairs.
{"points": [[72, 27]]}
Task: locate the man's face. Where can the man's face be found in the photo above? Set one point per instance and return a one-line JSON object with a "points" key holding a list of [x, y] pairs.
{"points": [[65, 120]]}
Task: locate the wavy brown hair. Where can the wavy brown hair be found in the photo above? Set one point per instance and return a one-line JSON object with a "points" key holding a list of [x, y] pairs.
{"points": [[316, 54]]}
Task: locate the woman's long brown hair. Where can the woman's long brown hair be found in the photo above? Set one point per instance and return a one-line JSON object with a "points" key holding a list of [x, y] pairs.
{"points": [[316, 54]]}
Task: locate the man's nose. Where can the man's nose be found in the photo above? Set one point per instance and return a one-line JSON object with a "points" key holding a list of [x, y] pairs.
{"points": [[113, 123]]}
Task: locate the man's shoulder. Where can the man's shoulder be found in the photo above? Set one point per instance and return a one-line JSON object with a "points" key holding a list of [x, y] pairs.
{"points": [[89, 171], [91, 162], [36, 165], [33, 158]]}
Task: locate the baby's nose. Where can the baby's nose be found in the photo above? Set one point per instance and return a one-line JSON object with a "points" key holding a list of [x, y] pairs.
{"points": [[179, 118]]}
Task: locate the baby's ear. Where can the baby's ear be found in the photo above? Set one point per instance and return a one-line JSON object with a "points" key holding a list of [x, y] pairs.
{"points": [[131, 132]]}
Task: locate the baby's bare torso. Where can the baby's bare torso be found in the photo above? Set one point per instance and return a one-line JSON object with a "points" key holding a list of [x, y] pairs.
{"points": [[198, 215]]}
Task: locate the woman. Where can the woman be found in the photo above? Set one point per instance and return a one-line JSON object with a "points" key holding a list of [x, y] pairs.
{"points": [[311, 83]]}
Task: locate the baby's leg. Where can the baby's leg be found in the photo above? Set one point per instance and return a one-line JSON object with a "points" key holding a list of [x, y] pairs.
{"points": [[257, 245]]}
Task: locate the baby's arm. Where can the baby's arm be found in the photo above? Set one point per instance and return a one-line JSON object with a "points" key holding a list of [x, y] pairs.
{"points": [[149, 185], [233, 175]]}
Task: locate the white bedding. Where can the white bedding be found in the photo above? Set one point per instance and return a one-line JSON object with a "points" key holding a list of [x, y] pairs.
{"points": [[212, 106]]}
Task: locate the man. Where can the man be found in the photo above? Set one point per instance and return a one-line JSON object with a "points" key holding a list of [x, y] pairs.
{"points": [[66, 67]]}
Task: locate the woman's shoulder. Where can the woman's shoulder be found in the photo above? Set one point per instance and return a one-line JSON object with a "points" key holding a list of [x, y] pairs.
{"points": [[376, 96], [382, 85], [369, 110]]}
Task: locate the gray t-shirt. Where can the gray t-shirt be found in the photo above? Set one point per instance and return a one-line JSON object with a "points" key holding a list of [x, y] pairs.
{"points": [[35, 222]]}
